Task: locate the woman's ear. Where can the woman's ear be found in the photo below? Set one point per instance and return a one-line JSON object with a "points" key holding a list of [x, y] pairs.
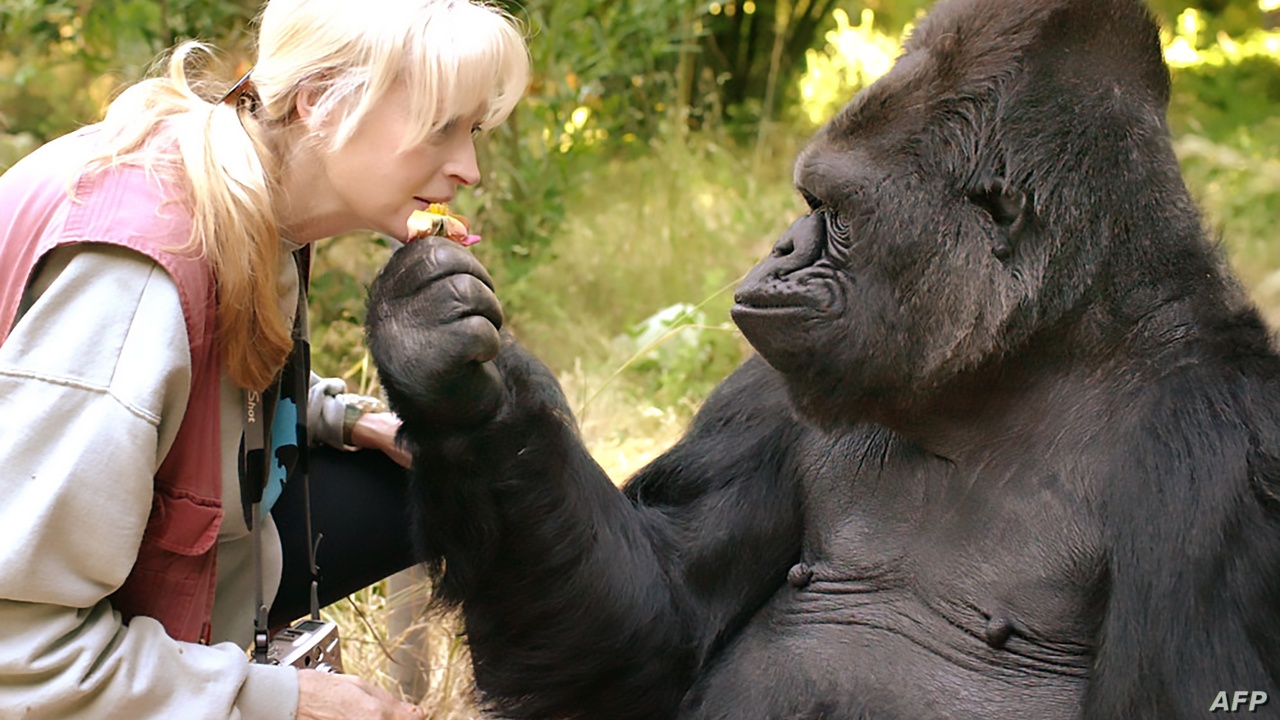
{"points": [[304, 104]]}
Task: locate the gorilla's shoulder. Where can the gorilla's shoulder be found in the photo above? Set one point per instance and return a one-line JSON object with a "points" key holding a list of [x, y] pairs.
{"points": [[745, 431], [1204, 422], [755, 392]]}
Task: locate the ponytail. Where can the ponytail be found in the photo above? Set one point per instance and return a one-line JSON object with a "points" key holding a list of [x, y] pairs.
{"points": [[452, 55], [217, 151]]}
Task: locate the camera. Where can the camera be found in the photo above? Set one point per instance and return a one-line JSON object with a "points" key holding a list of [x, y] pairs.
{"points": [[309, 644]]}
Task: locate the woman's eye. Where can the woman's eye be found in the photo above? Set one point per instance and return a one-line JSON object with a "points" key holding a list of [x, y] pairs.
{"points": [[476, 129]]}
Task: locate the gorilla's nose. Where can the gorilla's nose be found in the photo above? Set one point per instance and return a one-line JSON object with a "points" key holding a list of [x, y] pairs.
{"points": [[798, 248], [768, 282]]}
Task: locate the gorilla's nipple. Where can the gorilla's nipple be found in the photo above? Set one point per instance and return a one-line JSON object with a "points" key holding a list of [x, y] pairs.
{"points": [[799, 575], [999, 629]]}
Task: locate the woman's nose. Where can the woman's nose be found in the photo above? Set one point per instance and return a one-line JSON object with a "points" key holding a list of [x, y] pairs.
{"points": [[463, 167]]}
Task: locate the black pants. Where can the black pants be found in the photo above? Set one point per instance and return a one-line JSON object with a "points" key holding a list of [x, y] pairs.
{"points": [[359, 505]]}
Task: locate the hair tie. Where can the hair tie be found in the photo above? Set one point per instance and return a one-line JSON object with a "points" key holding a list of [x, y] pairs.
{"points": [[242, 89]]}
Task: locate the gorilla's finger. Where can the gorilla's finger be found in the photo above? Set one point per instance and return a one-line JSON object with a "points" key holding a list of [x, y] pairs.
{"points": [[451, 257], [440, 303], [472, 297], [478, 338], [425, 261]]}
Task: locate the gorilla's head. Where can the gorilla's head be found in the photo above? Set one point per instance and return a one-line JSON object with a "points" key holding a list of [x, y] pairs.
{"points": [[993, 188]]}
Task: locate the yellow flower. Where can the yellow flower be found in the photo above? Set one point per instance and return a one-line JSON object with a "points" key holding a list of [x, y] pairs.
{"points": [[437, 220]]}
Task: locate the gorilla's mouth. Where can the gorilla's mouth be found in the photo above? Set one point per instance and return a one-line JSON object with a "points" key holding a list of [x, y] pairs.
{"points": [[812, 298], [761, 301], [778, 326], [777, 322], [752, 310]]}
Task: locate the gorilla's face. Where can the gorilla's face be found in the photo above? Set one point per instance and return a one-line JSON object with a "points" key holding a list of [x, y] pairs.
{"points": [[938, 204], [900, 275]]}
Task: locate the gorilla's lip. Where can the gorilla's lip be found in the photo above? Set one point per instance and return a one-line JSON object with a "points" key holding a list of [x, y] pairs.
{"points": [[751, 315], [772, 301], [771, 309]]}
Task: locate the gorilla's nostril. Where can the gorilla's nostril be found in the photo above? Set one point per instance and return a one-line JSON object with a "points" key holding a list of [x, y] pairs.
{"points": [[785, 246]]}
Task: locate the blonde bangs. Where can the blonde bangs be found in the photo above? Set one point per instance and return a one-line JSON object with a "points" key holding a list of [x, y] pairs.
{"points": [[462, 58], [453, 56]]}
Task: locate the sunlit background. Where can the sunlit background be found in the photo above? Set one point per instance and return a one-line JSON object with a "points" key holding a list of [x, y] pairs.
{"points": [[647, 170]]}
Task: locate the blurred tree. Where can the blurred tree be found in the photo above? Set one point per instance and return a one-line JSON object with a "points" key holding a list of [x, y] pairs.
{"points": [[62, 59], [604, 81], [753, 46], [1233, 17]]}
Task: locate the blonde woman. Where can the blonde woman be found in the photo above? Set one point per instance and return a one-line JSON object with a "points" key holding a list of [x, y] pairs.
{"points": [[148, 294]]}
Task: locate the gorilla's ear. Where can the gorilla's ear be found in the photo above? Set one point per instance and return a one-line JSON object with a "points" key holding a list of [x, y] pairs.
{"points": [[1008, 207]]}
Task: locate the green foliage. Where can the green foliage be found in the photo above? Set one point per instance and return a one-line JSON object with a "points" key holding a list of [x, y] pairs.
{"points": [[676, 354], [1239, 190], [892, 15], [342, 270], [1235, 99], [1225, 85], [1227, 123], [63, 59], [1234, 17], [754, 49], [119, 34], [1225, 114], [853, 57], [594, 89], [680, 224]]}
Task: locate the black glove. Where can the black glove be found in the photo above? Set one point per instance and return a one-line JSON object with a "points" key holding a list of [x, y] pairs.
{"points": [[433, 332]]}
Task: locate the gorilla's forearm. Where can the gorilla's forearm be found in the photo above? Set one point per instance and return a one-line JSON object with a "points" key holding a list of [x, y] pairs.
{"points": [[583, 601]]}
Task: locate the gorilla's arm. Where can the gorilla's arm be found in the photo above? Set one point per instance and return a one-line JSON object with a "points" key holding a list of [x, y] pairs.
{"points": [[1193, 525], [583, 601]]}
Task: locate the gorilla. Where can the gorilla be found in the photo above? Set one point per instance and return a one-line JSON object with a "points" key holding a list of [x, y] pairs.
{"points": [[1009, 446]]}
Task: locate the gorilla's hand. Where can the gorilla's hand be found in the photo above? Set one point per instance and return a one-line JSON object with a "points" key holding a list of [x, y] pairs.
{"points": [[433, 331]]}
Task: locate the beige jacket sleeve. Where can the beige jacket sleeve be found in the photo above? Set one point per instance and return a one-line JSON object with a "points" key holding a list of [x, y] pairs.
{"points": [[93, 383]]}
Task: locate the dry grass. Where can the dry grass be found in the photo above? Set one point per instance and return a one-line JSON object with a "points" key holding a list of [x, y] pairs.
{"points": [[389, 640]]}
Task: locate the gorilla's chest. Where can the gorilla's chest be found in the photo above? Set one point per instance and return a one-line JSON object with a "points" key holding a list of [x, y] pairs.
{"points": [[1011, 540], [927, 589]]}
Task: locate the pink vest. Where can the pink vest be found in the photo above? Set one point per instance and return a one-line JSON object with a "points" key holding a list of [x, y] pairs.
{"points": [[174, 575]]}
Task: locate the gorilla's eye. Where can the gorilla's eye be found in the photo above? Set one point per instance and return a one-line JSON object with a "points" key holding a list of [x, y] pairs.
{"points": [[1003, 203]]}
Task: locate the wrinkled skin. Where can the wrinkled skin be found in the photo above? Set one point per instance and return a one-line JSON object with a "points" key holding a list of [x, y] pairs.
{"points": [[1009, 448]]}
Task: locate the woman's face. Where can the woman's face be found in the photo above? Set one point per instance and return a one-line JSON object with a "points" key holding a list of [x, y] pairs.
{"points": [[378, 185]]}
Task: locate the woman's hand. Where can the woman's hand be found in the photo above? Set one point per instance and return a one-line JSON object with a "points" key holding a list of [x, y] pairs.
{"points": [[326, 696], [377, 431]]}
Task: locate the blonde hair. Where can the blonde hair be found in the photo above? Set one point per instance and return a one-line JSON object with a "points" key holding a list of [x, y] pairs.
{"points": [[453, 56]]}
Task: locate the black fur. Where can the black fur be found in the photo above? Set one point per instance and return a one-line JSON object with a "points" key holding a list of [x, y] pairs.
{"points": [[1010, 449]]}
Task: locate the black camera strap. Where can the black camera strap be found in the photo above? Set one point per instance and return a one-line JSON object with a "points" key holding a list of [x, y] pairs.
{"points": [[257, 458], [256, 443], [301, 380]]}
